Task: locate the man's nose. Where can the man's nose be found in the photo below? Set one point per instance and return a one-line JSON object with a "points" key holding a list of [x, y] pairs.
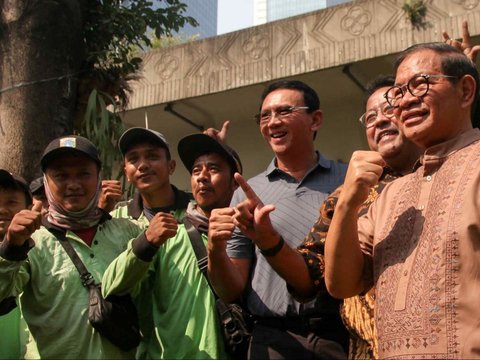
{"points": [[3, 209], [203, 174], [143, 164], [407, 100], [73, 184]]}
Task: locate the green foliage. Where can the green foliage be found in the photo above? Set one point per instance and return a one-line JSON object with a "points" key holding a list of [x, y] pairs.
{"points": [[103, 128], [416, 11], [168, 41], [113, 27]]}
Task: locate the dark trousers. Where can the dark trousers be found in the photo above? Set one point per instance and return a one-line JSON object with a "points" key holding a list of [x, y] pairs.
{"points": [[270, 342]]}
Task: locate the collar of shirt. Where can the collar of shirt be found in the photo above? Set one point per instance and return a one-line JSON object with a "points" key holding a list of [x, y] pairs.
{"points": [[135, 207], [435, 155], [273, 170]]}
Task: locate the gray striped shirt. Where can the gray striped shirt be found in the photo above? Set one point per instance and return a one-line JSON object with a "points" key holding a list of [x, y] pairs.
{"points": [[296, 210]]}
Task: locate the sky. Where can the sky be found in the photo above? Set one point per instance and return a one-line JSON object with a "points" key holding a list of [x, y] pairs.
{"points": [[234, 15]]}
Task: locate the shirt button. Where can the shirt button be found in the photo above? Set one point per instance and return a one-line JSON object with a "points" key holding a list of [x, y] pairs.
{"points": [[405, 273], [421, 207], [428, 178], [92, 256], [95, 242]]}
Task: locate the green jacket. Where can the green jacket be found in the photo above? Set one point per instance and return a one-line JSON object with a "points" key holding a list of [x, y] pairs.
{"points": [[133, 209], [182, 305], [54, 302]]}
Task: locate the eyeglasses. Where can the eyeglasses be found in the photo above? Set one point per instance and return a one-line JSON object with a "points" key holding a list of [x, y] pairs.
{"points": [[280, 112], [370, 118], [417, 86]]}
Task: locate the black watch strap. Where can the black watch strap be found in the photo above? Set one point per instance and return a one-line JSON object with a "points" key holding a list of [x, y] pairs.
{"points": [[273, 250]]}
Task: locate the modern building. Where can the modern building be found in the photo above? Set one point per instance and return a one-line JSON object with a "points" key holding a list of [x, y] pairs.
{"points": [[205, 12], [271, 10]]}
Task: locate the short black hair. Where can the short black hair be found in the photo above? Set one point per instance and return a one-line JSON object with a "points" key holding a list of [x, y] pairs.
{"points": [[379, 82], [310, 96], [454, 63]]}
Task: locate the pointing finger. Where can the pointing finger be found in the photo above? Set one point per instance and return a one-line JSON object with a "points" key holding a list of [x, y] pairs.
{"points": [[247, 189]]}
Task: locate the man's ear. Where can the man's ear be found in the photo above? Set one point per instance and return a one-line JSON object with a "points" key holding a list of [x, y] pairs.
{"points": [[317, 120], [468, 89], [172, 164]]}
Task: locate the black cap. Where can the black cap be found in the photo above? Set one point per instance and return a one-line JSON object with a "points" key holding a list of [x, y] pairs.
{"points": [[36, 185], [14, 181], [193, 146], [137, 135], [69, 144]]}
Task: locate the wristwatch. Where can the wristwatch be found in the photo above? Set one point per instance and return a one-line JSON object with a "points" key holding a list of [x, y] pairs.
{"points": [[273, 250]]}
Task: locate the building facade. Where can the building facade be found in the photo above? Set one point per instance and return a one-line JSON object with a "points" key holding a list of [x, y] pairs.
{"points": [[271, 10]]}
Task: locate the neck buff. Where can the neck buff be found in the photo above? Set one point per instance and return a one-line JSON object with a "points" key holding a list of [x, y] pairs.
{"points": [[73, 220], [198, 220]]}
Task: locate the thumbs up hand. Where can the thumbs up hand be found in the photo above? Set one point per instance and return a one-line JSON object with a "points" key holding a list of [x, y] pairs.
{"points": [[24, 224]]}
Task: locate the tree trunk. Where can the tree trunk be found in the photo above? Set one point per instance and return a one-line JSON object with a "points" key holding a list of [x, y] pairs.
{"points": [[41, 51]]}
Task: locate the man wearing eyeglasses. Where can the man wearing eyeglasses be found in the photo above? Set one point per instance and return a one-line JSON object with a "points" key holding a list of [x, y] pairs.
{"points": [[385, 137], [418, 242], [296, 182]]}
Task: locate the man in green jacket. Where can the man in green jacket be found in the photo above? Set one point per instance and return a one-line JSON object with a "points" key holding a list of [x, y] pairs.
{"points": [[148, 165], [166, 270], [34, 265]]}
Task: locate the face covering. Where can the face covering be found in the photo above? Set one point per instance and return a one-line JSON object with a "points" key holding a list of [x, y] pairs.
{"points": [[73, 220]]}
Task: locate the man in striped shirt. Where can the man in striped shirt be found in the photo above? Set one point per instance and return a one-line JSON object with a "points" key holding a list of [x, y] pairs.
{"points": [[260, 256]]}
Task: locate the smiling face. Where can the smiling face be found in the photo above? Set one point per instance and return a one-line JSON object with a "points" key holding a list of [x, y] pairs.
{"points": [[148, 168], [212, 182], [387, 139], [73, 181], [293, 133], [12, 201], [435, 117]]}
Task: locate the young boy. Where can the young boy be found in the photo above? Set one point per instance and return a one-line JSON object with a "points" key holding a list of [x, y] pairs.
{"points": [[14, 197]]}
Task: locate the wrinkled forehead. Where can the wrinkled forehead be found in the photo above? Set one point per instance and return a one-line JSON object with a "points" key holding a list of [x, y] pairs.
{"points": [[210, 159], [377, 99], [424, 61]]}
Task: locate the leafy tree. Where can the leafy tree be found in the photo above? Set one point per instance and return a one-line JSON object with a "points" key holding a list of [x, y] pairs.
{"points": [[53, 54]]}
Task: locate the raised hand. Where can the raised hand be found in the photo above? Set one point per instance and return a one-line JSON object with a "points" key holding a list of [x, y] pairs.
{"points": [[252, 217], [111, 194], [24, 224], [219, 135], [465, 45], [364, 171], [162, 227], [220, 228]]}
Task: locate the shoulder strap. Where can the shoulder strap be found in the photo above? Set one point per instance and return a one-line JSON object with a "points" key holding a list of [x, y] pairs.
{"points": [[199, 249], [85, 276], [198, 246]]}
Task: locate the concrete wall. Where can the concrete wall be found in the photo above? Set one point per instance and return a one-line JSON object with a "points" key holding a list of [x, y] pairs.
{"points": [[338, 35]]}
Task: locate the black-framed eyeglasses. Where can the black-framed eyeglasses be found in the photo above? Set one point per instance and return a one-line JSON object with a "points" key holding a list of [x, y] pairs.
{"points": [[417, 86], [281, 112], [370, 118]]}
